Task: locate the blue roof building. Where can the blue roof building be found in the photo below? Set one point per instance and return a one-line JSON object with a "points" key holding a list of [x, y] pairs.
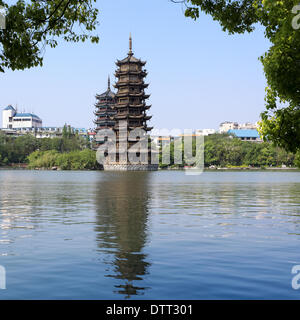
{"points": [[26, 115], [9, 108], [11, 119], [245, 134]]}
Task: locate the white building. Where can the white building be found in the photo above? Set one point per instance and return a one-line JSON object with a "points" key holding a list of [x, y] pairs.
{"points": [[11, 119], [206, 132], [227, 125], [248, 125]]}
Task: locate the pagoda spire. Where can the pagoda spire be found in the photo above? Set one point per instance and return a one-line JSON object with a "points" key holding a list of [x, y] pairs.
{"points": [[130, 45], [108, 83]]}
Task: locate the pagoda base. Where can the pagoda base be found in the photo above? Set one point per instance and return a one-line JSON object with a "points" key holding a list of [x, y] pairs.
{"points": [[130, 167]]}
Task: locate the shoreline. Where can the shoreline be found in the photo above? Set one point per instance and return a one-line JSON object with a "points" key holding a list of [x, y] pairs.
{"points": [[242, 169]]}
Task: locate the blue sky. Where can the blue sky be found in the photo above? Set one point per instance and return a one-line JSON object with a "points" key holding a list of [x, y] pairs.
{"points": [[199, 76]]}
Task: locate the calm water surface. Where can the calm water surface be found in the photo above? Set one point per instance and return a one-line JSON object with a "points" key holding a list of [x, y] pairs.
{"points": [[156, 235]]}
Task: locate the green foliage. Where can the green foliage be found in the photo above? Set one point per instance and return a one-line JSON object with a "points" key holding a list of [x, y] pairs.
{"points": [[75, 160], [234, 16], [297, 159], [280, 122], [222, 150], [43, 159], [31, 25], [16, 150]]}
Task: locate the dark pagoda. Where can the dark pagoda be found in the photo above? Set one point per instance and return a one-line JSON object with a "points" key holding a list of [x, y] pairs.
{"points": [[104, 110], [131, 107]]}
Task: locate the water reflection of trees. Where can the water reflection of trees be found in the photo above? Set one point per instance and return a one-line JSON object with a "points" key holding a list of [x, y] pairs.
{"points": [[121, 226]]}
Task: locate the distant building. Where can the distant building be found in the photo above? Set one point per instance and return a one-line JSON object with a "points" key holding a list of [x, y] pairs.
{"points": [[48, 132], [19, 124], [11, 119], [245, 131], [246, 134], [248, 125], [206, 132], [227, 125]]}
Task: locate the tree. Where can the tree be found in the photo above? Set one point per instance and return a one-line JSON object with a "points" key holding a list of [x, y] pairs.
{"points": [[31, 25], [280, 122]]}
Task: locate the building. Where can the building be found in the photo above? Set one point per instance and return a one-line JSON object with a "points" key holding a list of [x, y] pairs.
{"points": [[248, 125], [227, 125], [246, 134], [11, 119], [245, 131], [206, 132], [47, 132], [130, 107], [19, 124], [104, 110]]}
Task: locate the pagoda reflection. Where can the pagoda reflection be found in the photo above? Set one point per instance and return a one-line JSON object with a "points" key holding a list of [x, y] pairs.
{"points": [[121, 226]]}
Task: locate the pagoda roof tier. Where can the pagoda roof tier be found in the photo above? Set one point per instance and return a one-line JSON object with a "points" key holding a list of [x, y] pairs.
{"points": [[128, 94], [104, 115], [120, 106], [104, 111], [141, 105], [107, 94], [103, 120], [132, 116], [100, 118], [104, 104], [129, 83], [121, 116], [142, 127], [130, 59], [101, 109], [127, 105], [119, 73]]}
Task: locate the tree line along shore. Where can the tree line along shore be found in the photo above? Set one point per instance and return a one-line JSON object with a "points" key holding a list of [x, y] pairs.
{"points": [[72, 152]]}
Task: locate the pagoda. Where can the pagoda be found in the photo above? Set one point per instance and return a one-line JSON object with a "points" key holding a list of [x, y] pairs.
{"points": [[130, 114], [104, 110]]}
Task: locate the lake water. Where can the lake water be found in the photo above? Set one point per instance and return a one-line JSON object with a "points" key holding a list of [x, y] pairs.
{"points": [[151, 235]]}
